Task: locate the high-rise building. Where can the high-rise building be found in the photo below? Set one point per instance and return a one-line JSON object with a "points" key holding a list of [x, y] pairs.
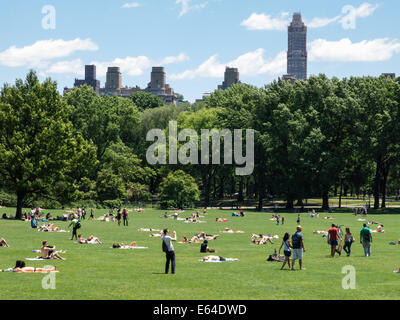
{"points": [[297, 51], [231, 77], [90, 79], [159, 87], [389, 75], [113, 79]]}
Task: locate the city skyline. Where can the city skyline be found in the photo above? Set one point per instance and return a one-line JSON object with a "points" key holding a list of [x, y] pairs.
{"points": [[195, 42]]}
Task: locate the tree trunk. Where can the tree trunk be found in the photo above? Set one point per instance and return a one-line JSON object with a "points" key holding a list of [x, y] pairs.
{"points": [[384, 184], [20, 201], [240, 197], [340, 194], [325, 200], [377, 182]]}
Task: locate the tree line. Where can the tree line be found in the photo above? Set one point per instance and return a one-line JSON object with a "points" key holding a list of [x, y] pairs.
{"points": [[314, 138]]}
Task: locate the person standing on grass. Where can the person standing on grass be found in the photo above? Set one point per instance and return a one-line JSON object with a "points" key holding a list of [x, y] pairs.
{"points": [[348, 241], [298, 247], [298, 218], [366, 239], [75, 226], [119, 217], [286, 250], [283, 220], [91, 214], [168, 248], [333, 240], [125, 216]]}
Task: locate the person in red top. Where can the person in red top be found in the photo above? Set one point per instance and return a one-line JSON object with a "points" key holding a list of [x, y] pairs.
{"points": [[333, 240]]}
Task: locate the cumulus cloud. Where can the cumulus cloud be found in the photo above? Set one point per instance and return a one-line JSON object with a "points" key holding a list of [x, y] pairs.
{"points": [[249, 64], [131, 5], [42, 52], [73, 67], [175, 59], [186, 6], [349, 15], [345, 50], [266, 22]]}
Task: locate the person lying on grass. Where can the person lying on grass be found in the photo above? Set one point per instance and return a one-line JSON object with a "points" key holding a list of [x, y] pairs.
{"points": [[221, 220], [261, 239], [49, 228], [49, 252], [324, 233], [3, 243], [21, 268], [229, 230], [91, 240], [148, 229], [218, 259], [123, 246], [156, 235], [204, 236], [373, 222], [379, 229]]}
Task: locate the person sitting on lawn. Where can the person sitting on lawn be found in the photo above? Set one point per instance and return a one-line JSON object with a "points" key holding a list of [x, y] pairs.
{"points": [[204, 248], [93, 240], [3, 243], [262, 240], [379, 229], [49, 252]]}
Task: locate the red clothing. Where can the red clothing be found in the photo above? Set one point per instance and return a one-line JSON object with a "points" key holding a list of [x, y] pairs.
{"points": [[333, 233]]}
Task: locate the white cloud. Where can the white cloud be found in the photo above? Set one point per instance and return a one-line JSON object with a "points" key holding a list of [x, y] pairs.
{"points": [[321, 22], [74, 67], [249, 64], [346, 51], [131, 5], [186, 7], [175, 59], [132, 66], [266, 22], [42, 52], [263, 21]]}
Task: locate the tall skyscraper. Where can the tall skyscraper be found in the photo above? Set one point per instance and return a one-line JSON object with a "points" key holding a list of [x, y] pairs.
{"points": [[297, 51], [90, 79], [113, 79], [231, 77]]}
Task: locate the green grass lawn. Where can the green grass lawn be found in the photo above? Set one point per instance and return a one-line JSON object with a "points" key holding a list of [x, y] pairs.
{"points": [[99, 272]]}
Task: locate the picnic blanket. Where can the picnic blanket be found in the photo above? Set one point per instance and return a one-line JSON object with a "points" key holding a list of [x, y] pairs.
{"points": [[38, 259]]}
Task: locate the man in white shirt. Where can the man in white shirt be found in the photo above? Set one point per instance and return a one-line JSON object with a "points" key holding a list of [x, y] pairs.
{"points": [[170, 253]]}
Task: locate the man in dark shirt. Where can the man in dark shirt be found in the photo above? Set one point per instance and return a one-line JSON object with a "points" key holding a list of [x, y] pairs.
{"points": [[298, 247]]}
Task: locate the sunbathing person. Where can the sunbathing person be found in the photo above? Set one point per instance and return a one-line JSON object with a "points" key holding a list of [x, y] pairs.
{"points": [[229, 230], [374, 222], [3, 243], [93, 240], [204, 236], [21, 268], [320, 232], [329, 218], [221, 220], [397, 271], [155, 235], [263, 240], [123, 246], [379, 229], [49, 228], [49, 252], [218, 259], [148, 229]]}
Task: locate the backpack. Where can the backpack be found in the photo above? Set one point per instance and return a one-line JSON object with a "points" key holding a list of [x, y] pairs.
{"points": [[164, 247], [78, 225]]}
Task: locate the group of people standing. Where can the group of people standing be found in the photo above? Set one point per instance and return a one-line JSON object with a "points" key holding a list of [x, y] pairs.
{"points": [[295, 246]]}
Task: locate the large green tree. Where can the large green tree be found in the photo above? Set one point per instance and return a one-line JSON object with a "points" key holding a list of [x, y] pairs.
{"points": [[38, 144]]}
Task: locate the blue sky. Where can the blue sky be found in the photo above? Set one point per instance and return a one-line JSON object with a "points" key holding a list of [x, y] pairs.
{"points": [[195, 39]]}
